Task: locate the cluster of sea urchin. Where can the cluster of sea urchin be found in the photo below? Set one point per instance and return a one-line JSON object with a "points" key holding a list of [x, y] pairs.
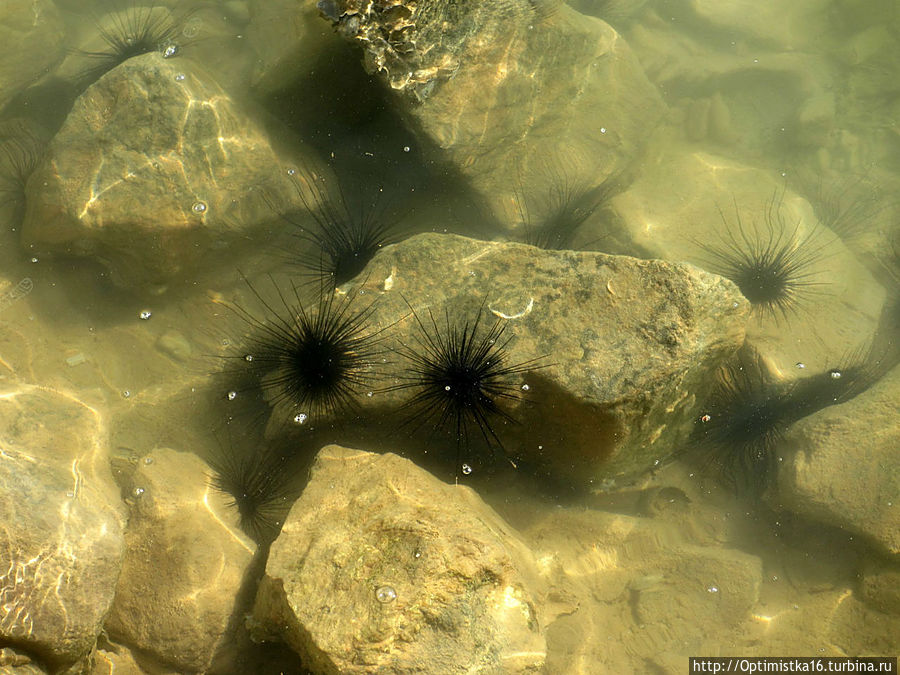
{"points": [[318, 361]]}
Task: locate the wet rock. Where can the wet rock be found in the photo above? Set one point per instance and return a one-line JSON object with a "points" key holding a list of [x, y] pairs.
{"points": [[463, 70], [31, 35], [184, 563], [61, 522], [841, 465], [624, 345], [381, 568], [154, 173], [676, 208]]}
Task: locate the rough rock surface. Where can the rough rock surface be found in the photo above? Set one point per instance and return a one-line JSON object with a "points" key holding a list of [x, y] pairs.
{"points": [[31, 35], [154, 171], [464, 69], [624, 345], [381, 568], [841, 465], [61, 522], [833, 316], [184, 563]]}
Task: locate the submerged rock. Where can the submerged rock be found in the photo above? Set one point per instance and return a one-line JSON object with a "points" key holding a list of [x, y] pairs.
{"points": [[516, 84], [640, 588], [381, 568], [841, 465], [184, 563], [31, 41], [621, 347], [154, 173], [61, 521], [688, 203]]}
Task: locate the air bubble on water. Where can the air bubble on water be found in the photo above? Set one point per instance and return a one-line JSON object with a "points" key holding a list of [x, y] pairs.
{"points": [[126, 394], [192, 28], [34, 260], [170, 51], [447, 387], [300, 418], [525, 387], [800, 365], [291, 172], [385, 594], [148, 460], [138, 491], [179, 77], [199, 207], [835, 374], [713, 589], [145, 314], [231, 395], [405, 148], [466, 469], [248, 357]]}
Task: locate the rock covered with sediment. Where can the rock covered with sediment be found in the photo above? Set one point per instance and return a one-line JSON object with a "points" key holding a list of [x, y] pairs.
{"points": [[841, 465], [154, 173], [61, 524], [514, 84], [382, 568], [623, 347], [184, 563]]}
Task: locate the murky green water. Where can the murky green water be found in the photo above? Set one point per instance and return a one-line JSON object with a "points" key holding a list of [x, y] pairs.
{"points": [[183, 186]]}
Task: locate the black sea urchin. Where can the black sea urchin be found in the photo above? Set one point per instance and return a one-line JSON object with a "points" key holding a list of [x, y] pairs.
{"points": [[315, 361], [773, 269], [20, 157], [749, 411], [260, 484], [129, 33], [347, 235], [560, 213], [461, 374]]}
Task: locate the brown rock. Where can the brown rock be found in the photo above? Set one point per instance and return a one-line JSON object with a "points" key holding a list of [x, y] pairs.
{"points": [[184, 563], [841, 465], [61, 521], [381, 568], [505, 89], [623, 345], [154, 172]]}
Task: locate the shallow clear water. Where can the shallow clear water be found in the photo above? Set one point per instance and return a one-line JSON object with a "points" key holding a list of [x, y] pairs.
{"points": [[727, 127]]}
